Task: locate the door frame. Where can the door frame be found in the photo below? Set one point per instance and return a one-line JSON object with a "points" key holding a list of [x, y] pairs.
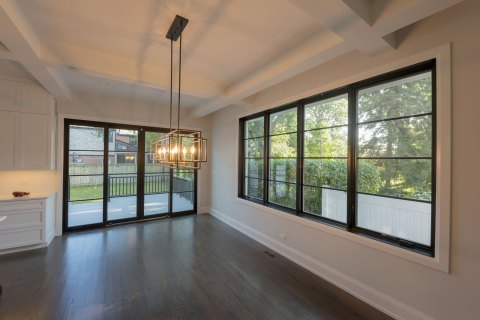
{"points": [[140, 176]]}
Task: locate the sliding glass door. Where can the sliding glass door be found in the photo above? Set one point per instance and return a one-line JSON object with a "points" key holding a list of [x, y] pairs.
{"points": [[110, 177]]}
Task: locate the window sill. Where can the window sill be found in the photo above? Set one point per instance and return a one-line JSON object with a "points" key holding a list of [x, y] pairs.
{"points": [[431, 262]]}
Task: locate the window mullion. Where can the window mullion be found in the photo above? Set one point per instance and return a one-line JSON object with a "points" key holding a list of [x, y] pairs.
{"points": [[241, 160], [300, 146], [351, 166], [266, 153]]}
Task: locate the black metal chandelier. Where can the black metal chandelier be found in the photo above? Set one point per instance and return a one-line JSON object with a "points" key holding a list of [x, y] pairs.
{"points": [[180, 148]]}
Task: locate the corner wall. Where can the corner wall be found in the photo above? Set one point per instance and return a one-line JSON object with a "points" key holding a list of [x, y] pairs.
{"points": [[402, 288]]}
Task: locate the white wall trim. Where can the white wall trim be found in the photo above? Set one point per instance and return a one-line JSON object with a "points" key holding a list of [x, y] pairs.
{"points": [[369, 295], [441, 261]]}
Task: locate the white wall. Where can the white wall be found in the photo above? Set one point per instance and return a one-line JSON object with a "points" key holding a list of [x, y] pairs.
{"points": [[400, 287], [33, 181], [116, 109]]}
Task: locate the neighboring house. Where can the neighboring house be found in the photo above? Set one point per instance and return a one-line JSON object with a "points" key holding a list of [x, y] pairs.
{"points": [[84, 141]]}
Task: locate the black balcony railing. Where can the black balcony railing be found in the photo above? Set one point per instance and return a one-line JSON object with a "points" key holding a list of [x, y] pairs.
{"points": [[126, 185]]}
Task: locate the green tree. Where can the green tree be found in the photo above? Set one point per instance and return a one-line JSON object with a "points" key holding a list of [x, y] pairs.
{"points": [[407, 137]]}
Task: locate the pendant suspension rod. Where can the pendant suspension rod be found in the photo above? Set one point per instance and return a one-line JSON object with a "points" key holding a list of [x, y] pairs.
{"points": [[179, 87], [171, 82], [179, 81]]}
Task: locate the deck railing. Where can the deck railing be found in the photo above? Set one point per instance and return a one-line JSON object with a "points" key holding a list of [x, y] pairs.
{"points": [[126, 185]]}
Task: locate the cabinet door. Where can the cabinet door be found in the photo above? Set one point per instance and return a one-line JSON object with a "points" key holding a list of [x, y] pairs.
{"points": [[33, 99], [33, 143], [8, 127], [8, 95]]}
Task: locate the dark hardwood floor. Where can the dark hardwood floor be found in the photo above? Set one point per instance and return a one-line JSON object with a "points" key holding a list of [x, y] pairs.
{"points": [[192, 267]]}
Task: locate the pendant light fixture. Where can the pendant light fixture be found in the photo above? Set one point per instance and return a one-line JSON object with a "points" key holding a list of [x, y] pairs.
{"points": [[179, 149]]}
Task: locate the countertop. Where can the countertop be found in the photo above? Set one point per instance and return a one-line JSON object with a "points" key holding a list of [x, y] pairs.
{"points": [[33, 196]]}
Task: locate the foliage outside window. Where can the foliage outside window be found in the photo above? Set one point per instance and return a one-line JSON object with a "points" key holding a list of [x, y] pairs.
{"points": [[361, 157], [253, 161], [282, 158]]}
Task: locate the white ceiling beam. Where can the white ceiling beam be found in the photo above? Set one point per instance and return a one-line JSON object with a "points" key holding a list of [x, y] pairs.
{"points": [[357, 24], [344, 27], [349, 19], [319, 49], [22, 43], [387, 21]]}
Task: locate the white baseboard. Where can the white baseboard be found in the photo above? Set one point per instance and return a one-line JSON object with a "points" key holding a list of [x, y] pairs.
{"points": [[24, 248], [372, 296]]}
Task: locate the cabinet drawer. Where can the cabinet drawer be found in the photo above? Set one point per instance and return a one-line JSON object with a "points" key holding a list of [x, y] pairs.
{"points": [[20, 237], [21, 219], [21, 205]]}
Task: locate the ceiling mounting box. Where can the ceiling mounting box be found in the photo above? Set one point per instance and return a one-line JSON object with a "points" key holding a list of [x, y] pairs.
{"points": [[178, 24]]}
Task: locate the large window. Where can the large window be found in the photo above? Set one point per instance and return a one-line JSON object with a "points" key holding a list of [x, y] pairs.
{"points": [[360, 157]]}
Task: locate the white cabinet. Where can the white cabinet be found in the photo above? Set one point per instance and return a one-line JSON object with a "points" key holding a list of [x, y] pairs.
{"points": [[8, 95], [27, 127], [8, 127], [26, 223], [33, 99], [33, 147]]}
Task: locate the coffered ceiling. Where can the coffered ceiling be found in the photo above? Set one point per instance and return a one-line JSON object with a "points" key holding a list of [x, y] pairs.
{"points": [[232, 49]]}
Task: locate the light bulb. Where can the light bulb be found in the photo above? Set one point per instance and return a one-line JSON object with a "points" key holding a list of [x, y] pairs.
{"points": [[175, 150], [164, 150], [192, 150]]}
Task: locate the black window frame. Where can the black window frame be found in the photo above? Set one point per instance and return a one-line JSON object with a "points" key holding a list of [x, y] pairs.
{"points": [[141, 152], [351, 91]]}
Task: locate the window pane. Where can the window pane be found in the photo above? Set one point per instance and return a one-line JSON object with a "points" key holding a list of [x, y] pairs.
{"points": [[254, 148], [284, 145], [156, 183], [283, 170], [327, 142], [85, 162], [182, 201], [183, 180], [330, 173], [403, 178], [331, 204], [85, 188], [82, 213], [254, 188], [409, 220], [86, 138], [254, 168], [404, 97], [283, 194], [409, 137], [283, 121], [327, 113], [183, 196], [150, 138], [254, 128]]}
